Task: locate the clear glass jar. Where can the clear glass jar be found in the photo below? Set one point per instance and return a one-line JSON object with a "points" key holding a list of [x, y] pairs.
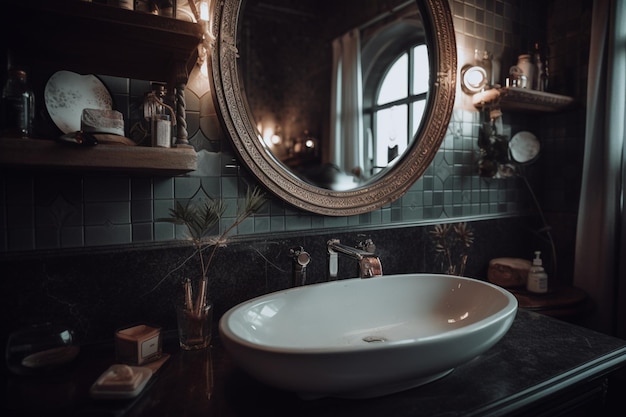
{"points": [[525, 63], [18, 105]]}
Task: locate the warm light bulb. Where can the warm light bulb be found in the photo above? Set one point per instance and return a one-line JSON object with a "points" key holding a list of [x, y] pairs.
{"points": [[204, 10], [473, 78]]}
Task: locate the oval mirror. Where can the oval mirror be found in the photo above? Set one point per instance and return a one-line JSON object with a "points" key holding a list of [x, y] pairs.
{"points": [[331, 144]]}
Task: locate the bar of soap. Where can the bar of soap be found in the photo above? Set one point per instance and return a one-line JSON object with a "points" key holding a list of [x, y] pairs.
{"points": [[120, 381], [102, 121]]}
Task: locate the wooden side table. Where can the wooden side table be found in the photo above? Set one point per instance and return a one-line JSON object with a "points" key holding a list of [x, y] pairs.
{"points": [[564, 302]]}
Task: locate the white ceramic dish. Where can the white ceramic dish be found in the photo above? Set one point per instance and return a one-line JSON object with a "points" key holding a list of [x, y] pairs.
{"points": [[524, 147], [66, 95], [361, 338], [109, 386]]}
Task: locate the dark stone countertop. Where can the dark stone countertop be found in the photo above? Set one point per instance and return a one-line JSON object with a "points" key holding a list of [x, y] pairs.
{"points": [[541, 364]]}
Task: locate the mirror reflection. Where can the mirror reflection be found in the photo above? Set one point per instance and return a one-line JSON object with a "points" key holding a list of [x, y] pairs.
{"points": [[337, 88]]}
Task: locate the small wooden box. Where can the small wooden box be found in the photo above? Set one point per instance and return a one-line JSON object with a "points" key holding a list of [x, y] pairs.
{"points": [[138, 344]]}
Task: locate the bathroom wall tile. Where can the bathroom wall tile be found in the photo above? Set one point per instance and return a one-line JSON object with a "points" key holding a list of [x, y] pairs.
{"points": [[161, 209], [317, 222], [412, 213], [72, 237], [19, 190], [47, 238], [186, 187], [141, 211], [107, 213], [20, 216], [163, 188], [98, 189], [142, 232], [182, 233], [230, 187], [108, 235], [297, 223], [141, 189], [44, 217], [262, 224], [354, 221], [246, 227], [19, 239], [231, 208], [340, 221], [277, 224], [164, 231]]}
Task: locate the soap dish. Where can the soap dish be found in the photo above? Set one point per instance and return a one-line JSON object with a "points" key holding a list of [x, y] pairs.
{"points": [[120, 382]]}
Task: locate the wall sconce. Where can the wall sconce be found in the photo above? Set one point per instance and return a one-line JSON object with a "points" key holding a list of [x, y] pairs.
{"points": [[474, 79]]}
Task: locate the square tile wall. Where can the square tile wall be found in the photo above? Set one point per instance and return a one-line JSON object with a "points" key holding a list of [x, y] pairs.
{"points": [[41, 211]]}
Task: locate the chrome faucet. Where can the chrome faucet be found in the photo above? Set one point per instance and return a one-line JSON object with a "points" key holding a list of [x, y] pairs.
{"points": [[368, 264], [300, 260]]}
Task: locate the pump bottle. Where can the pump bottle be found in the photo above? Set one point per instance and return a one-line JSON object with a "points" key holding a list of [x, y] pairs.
{"points": [[537, 276]]}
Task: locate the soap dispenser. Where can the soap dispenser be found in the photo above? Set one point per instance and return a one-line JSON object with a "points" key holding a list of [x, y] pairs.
{"points": [[537, 277]]}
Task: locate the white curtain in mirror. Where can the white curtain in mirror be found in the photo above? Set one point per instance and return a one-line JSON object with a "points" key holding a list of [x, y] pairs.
{"points": [[348, 148]]}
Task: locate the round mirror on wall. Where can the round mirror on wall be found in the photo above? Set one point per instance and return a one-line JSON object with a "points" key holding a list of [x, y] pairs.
{"points": [[336, 107]]}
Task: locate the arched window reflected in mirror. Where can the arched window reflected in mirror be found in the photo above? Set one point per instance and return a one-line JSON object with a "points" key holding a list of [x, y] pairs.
{"points": [[399, 103]]}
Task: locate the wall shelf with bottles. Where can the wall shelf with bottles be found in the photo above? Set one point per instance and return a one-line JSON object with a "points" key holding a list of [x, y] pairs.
{"points": [[87, 37], [16, 153], [522, 100]]}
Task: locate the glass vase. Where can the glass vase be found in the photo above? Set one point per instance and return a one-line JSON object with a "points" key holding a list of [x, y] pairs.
{"points": [[194, 326]]}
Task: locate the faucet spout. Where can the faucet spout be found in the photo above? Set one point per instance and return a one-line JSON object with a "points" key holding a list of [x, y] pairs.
{"points": [[368, 263]]}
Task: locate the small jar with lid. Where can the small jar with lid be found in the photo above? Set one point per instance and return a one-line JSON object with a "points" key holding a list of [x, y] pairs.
{"points": [[18, 105], [525, 64]]}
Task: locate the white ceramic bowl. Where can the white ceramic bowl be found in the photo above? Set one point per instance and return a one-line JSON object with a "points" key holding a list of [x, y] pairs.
{"points": [[360, 338]]}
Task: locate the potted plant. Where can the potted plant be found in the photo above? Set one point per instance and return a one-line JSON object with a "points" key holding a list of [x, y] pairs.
{"points": [[194, 315]]}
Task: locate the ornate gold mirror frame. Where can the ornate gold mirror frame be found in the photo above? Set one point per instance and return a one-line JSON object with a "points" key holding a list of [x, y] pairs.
{"points": [[237, 119]]}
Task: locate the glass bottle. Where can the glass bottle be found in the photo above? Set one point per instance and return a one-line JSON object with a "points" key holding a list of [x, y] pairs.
{"points": [[18, 105], [156, 113], [524, 63], [541, 68]]}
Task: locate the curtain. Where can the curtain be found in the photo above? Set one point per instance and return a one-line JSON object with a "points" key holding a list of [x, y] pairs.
{"points": [[347, 145], [600, 265]]}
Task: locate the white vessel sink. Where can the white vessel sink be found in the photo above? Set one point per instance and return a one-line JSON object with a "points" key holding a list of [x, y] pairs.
{"points": [[361, 338]]}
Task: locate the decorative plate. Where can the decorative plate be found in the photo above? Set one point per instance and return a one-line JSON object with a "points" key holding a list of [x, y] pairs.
{"points": [[524, 147], [68, 93]]}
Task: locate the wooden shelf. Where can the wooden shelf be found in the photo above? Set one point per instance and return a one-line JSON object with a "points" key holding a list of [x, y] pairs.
{"points": [[87, 37], [92, 38], [521, 99], [49, 154]]}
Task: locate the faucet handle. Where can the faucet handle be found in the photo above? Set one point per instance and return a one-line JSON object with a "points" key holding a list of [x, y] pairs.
{"points": [[367, 245], [301, 259]]}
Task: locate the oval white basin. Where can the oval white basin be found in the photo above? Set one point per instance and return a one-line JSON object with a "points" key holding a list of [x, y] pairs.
{"points": [[360, 338]]}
